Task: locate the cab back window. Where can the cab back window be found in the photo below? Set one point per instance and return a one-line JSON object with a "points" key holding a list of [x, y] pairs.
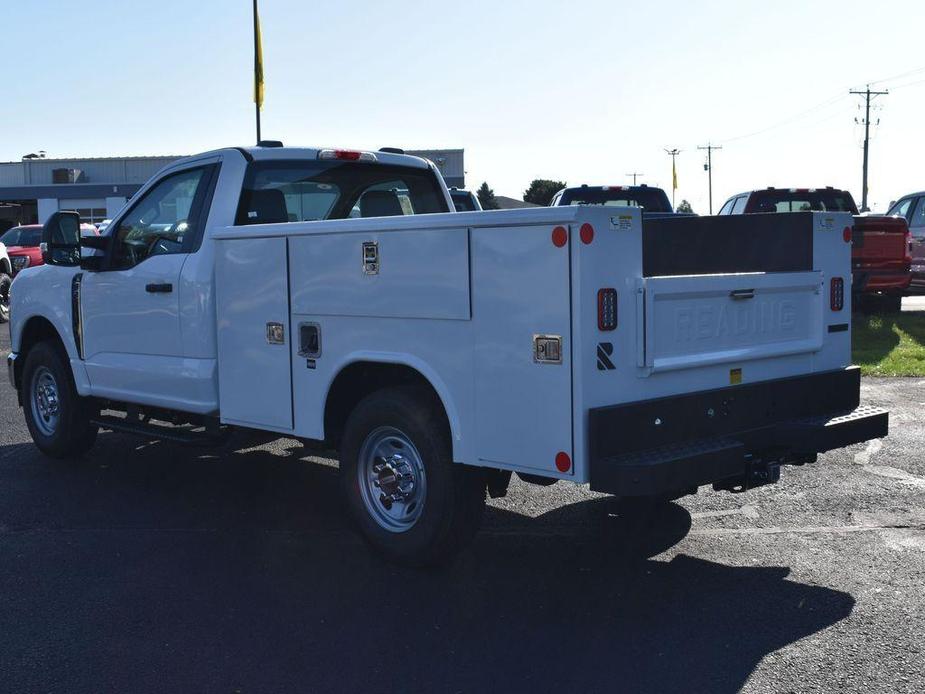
{"points": [[802, 201], [305, 191]]}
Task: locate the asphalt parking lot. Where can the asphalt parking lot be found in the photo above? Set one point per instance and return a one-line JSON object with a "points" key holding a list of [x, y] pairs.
{"points": [[150, 567]]}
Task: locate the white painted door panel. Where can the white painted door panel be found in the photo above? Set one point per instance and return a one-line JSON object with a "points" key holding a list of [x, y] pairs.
{"points": [[132, 344], [520, 288], [252, 290]]}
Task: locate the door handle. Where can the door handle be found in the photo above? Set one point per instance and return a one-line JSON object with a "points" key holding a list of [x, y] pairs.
{"points": [[739, 294], [163, 288]]}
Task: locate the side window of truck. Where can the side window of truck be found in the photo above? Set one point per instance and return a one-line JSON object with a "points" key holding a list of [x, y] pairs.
{"points": [[738, 206], [727, 208], [917, 219], [163, 221]]}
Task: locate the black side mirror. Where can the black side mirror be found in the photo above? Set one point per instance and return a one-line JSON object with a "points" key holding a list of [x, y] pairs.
{"points": [[61, 239], [93, 263]]}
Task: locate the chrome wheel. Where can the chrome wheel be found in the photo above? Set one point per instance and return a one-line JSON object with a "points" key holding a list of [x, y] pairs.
{"points": [[391, 479], [44, 401]]}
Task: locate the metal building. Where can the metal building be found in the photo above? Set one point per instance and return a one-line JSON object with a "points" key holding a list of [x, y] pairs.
{"points": [[31, 189]]}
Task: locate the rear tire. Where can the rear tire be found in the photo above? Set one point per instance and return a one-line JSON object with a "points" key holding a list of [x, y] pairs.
{"points": [[57, 417], [5, 282], [892, 303], [410, 501]]}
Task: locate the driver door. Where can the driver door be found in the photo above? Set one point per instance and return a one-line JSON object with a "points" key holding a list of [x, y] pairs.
{"points": [[133, 347]]}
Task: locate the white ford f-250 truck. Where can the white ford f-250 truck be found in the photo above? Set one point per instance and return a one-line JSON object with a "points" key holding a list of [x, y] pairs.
{"points": [[333, 296]]}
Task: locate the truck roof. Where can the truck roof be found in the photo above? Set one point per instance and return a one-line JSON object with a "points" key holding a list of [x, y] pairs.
{"points": [[258, 153]]}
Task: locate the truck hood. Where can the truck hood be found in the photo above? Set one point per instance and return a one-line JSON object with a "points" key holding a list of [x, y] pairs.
{"points": [[31, 251]]}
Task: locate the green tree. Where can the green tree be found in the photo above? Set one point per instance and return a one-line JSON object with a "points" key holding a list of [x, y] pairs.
{"points": [[486, 197], [541, 191], [685, 207]]}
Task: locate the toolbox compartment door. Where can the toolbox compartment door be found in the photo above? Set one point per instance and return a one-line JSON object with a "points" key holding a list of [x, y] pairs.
{"points": [[520, 291], [696, 320], [254, 336]]}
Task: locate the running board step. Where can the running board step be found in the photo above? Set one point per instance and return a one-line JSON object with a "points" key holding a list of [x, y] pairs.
{"points": [[203, 436]]}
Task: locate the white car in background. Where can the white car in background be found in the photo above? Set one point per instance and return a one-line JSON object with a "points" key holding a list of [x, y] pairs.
{"points": [[6, 279]]}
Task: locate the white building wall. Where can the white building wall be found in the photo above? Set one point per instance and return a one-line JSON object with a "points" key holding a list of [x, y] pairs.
{"points": [[113, 205], [46, 208]]}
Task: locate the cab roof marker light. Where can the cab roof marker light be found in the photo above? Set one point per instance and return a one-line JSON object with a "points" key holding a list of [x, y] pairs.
{"points": [[346, 155]]}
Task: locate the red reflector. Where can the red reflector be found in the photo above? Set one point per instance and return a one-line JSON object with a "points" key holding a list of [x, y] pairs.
{"points": [[559, 236], [837, 294], [846, 234], [563, 462], [586, 233], [346, 154], [606, 309]]}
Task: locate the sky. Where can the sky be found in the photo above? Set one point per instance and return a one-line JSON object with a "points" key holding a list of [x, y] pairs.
{"points": [[585, 92]]}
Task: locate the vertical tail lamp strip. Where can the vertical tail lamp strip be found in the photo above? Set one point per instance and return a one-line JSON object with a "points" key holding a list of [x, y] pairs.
{"points": [[77, 314]]}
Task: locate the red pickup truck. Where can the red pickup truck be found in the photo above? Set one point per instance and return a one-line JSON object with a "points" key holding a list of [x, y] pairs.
{"points": [[880, 246], [22, 243]]}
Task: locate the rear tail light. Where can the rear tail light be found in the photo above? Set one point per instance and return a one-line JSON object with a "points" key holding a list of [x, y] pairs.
{"points": [[607, 309], [563, 462], [846, 234], [837, 294], [346, 155]]}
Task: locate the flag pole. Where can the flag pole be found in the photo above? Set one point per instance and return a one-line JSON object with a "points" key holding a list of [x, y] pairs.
{"points": [[258, 69]]}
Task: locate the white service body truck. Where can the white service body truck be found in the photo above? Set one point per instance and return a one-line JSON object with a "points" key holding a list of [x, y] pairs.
{"points": [[333, 296]]}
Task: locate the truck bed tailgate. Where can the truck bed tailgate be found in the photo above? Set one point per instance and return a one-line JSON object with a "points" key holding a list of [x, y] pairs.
{"points": [[696, 320]]}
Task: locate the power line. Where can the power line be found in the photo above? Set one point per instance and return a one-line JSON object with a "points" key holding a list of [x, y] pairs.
{"points": [[900, 75], [709, 147], [790, 119], [868, 95], [907, 84]]}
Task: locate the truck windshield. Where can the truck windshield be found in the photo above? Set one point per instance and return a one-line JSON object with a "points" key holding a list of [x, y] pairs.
{"points": [[651, 199], [304, 191], [827, 200], [22, 236]]}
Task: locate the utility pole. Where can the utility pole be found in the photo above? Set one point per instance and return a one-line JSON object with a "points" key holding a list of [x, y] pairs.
{"points": [[708, 167], [674, 172], [634, 175], [868, 95]]}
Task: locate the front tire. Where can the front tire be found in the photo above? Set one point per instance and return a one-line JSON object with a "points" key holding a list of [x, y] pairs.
{"points": [[5, 283], [410, 501], [57, 417]]}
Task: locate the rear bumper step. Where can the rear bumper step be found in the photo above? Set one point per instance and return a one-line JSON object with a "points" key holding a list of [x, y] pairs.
{"points": [[750, 433]]}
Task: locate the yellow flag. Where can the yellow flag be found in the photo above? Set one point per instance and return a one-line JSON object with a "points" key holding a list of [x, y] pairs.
{"points": [[674, 175], [258, 61]]}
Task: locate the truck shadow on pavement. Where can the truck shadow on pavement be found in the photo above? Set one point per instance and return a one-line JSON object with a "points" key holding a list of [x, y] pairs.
{"points": [[155, 568]]}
